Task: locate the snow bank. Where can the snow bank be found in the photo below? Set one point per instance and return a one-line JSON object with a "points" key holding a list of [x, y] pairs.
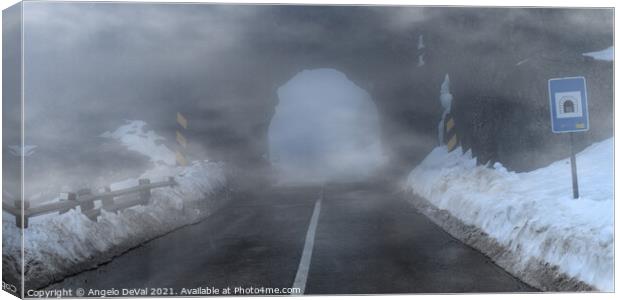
{"points": [[61, 245], [605, 54], [532, 214]]}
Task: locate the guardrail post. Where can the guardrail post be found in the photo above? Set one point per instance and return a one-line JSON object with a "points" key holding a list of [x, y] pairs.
{"points": [[107, 201], [145, 192], [22, 207], [85, 206], [88, 207], [67, 197]]}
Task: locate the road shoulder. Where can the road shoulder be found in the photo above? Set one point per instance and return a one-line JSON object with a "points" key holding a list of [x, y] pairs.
{"points": [[533, 272]]}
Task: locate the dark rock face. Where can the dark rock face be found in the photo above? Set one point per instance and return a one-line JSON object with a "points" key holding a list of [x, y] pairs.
{"points": [[511, 125], [500, 81], [499, 61]]}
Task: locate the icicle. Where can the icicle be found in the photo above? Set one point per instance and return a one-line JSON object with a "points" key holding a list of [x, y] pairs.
{"points": [[421, 42], [421, 50], [420, 60], [445, 97]]}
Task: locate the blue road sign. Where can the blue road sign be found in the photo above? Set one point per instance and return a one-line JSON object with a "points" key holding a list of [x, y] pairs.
{"points": [[568, 103]]}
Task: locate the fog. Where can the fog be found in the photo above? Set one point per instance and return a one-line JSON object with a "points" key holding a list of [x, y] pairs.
{"points": [[91, 66], [325, 128]]}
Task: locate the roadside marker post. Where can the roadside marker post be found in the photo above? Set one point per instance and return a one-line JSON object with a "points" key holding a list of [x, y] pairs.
{"points": [[450, 136], [181, 140], [568, 106]]}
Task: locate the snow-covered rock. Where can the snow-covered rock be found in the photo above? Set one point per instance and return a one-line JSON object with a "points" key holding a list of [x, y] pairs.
{"points": [[532, 214], [605, 54], [136, 137]]}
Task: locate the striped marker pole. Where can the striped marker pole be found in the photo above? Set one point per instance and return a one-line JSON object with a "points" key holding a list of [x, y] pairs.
{"points": [[180, 154], [450, 137]]}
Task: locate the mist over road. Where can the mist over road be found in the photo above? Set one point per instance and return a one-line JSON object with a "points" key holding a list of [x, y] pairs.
{"points": [[366, 239], [232, 72]]}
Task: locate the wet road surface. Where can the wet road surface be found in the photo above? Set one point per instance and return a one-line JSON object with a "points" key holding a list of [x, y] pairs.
{"points": [[363, 240]]}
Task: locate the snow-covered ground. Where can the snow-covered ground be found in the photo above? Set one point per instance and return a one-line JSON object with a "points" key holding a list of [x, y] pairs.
{"points": [[532, 214], [59, 245]]}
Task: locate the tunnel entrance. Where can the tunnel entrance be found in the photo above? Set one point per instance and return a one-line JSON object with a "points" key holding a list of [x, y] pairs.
{"points": [[325, 128]]}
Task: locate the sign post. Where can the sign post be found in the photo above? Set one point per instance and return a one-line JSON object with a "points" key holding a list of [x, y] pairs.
{"points": [[568, 105], [573, 168]]}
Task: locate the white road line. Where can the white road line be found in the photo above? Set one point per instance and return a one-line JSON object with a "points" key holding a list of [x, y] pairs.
{"points": [[306, 256]]}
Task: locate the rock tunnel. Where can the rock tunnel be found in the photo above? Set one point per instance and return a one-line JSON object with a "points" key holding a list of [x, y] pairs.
{"points": [[499, 87]]}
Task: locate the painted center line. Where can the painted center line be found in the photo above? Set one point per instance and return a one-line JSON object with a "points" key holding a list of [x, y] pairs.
{"points": [[306, 256]]}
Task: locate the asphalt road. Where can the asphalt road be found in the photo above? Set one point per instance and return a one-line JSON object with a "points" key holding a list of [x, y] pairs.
{"points": [[363, 240]]}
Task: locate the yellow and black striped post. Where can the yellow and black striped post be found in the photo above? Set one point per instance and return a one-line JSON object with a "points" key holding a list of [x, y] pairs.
{"points": [[450, 138], [181, 150]]}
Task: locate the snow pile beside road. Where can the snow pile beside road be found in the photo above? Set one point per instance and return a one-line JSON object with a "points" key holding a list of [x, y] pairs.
{"points": [[60, 245], [531, 214]]}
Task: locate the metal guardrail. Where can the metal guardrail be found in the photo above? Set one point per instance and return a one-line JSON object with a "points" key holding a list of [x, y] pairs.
{"points": [[85, 200]]}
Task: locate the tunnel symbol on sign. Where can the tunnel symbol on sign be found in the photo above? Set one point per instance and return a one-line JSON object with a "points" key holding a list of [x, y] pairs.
{"points": [[568, 105]]}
